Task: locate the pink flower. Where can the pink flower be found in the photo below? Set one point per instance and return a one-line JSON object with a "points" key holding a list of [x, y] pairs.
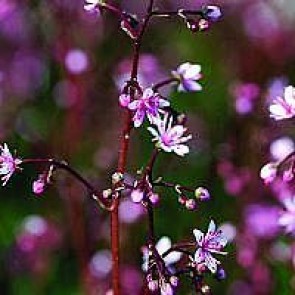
{"points": [[287, 218], [170, 138], [147, 105], [213, 242], [283, 107], [269, 172], [8, 164], [188, 74]]}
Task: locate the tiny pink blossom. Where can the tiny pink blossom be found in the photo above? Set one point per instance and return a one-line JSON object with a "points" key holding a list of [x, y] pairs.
{"points": [[148, 105], [124, 100], [287, 217], [269, 172], [137, 195], [283, 107], [38, 186], [8, 164], [213, 242], [188, 74], [170, 138]]}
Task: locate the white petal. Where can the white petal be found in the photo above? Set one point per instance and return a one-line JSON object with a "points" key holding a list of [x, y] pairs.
{"points": [[153, 132], [199, 236], [163, 245], [211, 227], [289, 96], [199, 255], [193, 72], [211, 262], [181, 149]]}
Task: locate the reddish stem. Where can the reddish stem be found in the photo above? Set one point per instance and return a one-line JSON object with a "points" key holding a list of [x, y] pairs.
{"points": [[124, 145]]}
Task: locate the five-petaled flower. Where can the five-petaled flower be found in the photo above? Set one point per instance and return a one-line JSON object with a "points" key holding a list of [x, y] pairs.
{"points": [[213, 242], [283, 107], [170, 138], [148, 104], [188, 74], [8, 164], [287, 217]]}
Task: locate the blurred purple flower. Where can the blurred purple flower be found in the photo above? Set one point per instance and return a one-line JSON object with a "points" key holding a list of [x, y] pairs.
{"points": [[245, 95], [287, 217], [8, 164], [170, 138], [188, 74], [213, 242], [261, 220]]}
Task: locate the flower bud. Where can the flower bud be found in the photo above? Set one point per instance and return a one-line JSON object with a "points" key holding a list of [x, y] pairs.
{"points": [[190, 204], [269, 172], [117, 177], [174, 281], [220, 274], [203, 24], [154, 198], [213, 13], [124, 100], [107, 193], [202, 194], [38, 186]]}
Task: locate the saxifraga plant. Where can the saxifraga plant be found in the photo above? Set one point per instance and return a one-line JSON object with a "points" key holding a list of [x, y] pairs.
{"points": [[167, 127]]}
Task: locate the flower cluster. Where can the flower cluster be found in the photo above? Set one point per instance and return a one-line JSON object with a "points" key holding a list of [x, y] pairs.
{"points": [[159, 262]]}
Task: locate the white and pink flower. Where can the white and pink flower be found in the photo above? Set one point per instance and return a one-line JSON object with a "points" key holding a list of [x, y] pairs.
{"points": [[170, 138], [147, 105], [212, 243], [188, 74], [283, 107], [8, 163]]}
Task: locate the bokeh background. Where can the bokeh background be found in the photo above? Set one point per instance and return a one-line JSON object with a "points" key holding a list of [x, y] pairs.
{"points": [[60, 70]]}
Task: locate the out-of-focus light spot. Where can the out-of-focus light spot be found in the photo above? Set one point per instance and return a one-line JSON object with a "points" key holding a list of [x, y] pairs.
{"points": [[229, 231], [76, 61], [281, 147], [101, 264], [129, 212], [35, 225]]}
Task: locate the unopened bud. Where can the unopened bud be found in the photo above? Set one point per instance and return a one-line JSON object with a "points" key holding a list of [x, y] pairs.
{"points": [[117, 177], [174, 281], [191, 204], [107, 193], [202, 194], [203, 24], [154, 198]]}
